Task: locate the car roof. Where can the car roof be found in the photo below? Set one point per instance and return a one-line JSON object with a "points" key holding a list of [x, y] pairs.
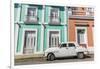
{"points": [[68, 42]]}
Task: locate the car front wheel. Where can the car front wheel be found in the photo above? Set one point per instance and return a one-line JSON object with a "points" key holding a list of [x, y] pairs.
{"points": [[50, 57], [80, 55]]}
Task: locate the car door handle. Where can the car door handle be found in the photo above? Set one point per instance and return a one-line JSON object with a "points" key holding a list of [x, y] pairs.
{"points": [[66, 48]]}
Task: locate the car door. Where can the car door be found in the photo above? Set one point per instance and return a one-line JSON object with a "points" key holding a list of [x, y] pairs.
{"points": [[63, 51], [71, 49]]}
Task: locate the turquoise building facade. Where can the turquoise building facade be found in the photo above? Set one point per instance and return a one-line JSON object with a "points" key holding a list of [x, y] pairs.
{"points": [[38, 27]]}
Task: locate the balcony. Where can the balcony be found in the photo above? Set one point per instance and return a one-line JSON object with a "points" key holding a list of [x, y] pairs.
{"points": [[54, 20], [90, 14], [80, 13], [31, 20]]}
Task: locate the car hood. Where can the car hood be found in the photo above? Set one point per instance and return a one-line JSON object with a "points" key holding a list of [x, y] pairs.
{"points": [[53, 49]]}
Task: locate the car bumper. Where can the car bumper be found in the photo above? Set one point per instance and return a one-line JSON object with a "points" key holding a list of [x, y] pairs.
{"points": [[86, 53]]}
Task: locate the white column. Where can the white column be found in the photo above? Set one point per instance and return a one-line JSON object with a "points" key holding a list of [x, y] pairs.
{"points": [[65, 22], [43, 10], [16, 37], [42, 38], [65, 34], [65, 18], [42, 29], [18, 13], [49, 11]]}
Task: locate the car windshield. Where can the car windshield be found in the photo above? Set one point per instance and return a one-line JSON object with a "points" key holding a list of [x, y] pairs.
{"points": [[71, 45]]}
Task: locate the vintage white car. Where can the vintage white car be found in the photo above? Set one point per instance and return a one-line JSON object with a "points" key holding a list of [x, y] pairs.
{"points": [[66, 50]]}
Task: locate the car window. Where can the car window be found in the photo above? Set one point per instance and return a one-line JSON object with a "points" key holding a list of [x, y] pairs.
{"points": [[64, 45], [71, 45]]}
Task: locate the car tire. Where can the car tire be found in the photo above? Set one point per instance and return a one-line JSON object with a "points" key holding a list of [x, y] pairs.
{"points": [[50, 57], [80, 55]]}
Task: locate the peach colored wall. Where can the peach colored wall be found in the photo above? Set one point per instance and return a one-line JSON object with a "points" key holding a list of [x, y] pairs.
{"points": [[90, 34], [71, 30], [72, 34]]}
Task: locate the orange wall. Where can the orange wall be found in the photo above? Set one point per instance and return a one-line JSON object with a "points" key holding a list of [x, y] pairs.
{"points": [[71, 30], [90, 34]]}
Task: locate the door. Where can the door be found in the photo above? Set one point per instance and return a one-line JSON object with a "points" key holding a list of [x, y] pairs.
{"points": [[63, 51], [67, 49], [53, 38], [81, 37], [71, 49], [30, 42]]}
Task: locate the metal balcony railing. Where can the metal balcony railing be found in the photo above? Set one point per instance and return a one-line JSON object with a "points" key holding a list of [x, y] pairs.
{"points": [[55, 20], [31, 19], [79, 13]]}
